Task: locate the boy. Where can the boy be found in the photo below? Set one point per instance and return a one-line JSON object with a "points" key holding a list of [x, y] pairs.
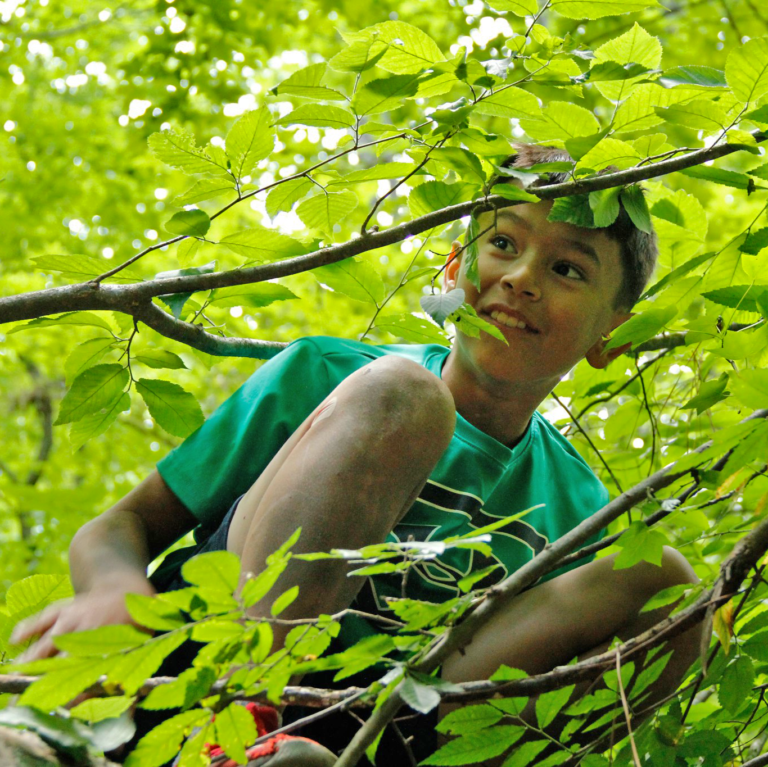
{"points": [[355, 443]]}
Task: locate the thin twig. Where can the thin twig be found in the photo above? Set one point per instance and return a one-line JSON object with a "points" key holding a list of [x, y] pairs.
{"points": [[625, 705]]}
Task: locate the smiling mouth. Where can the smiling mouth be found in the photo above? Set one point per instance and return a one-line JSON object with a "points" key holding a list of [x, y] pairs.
{"points": [[503, 319]]}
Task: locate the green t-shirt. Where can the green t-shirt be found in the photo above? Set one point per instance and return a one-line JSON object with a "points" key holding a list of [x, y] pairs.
{"points": [[476, 481]]}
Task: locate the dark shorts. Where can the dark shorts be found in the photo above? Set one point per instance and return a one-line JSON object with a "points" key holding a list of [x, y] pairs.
{"points": [[334, 731]]}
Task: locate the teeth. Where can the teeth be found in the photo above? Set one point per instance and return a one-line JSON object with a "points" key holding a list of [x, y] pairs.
{"points": [[505, 319]]}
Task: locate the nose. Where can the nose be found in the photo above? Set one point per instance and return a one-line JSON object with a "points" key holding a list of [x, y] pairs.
{"points": [[520, 277]]}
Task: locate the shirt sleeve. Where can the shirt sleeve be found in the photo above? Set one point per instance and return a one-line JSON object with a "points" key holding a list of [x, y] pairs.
{"points": [[223, 458]]}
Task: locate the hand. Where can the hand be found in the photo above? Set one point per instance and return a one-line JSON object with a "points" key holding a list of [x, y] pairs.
{"points": [[100, 607]]}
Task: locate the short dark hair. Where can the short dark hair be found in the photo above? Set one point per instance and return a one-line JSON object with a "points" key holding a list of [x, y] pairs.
{"points": [[639, 249]]}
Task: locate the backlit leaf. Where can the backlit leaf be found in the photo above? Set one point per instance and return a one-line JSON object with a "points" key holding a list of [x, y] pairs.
{"points": [[736, 683], [195, 223], [174, 409], [633, 47], [177, 149], [476, 746], [413, 329], [97, 387], [205, 189], [259, 245], [746, 69], [306, 82], [320, 115], [250, 140], [255, 296], [354, 278], [597, 9], [326, 209], [510, 102], [235, 729]]}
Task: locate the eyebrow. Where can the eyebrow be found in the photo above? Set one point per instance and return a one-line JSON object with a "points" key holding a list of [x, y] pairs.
{"points": [[579, 245]]}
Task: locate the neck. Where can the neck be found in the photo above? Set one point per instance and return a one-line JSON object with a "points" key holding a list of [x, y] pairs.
{"points": [[500, 409]]}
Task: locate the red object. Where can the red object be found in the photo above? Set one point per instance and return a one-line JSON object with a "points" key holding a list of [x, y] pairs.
{"points": [[267, 720]]}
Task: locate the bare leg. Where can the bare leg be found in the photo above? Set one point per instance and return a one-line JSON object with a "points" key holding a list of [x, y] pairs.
{"points": [[578, 614], [346, 477]]}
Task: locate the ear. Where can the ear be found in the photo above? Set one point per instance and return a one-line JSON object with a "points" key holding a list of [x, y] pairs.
{"points": [[452, 266], [596, 356]]}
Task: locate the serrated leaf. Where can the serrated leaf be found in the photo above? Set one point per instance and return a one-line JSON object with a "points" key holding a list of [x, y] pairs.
{"points": [[510, 102], [177, 149], [216, 570], [354, 278], [561, 120], [255, 296], [99, 709], [250, 140], [518, 7], [635, 46], [467, 719], [235, 729], [306, 82], [634, 202], [260, 245], [84, 268], [160, 359], [175, 410], [85, 319], [693, 75], [408, 49], [186, 250], [746, 69], [358, 57], [436, 195], [95, 388], [750, 387], [138, 665], [441, 305], [194, 223], [665, 597], [637, 112], [597, 9], [384, 94], [58, 688], [640, 543], [700, 114], [153, 612], [377, 172], [476, 746], [466, 320], [187, 689], [736, 683], [678, 273], [176, 301], [319, 115], [285, 194], [284, 600], [513, 192], [721, 176], [96, 424], [642, 326], [710, 393], [608, 153], [605, 206], [32, 594], [549, 705], [748, 298], [573, 210], [326, 209], [527, 754], [410, 328], [205, 189], [105, 640], [86, 355], [163, 743]]}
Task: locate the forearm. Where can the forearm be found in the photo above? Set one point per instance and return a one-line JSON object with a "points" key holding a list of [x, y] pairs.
{"points": [[111, 551]]}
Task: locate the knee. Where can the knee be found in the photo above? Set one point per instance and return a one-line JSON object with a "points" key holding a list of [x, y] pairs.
{"points": [[675, 570], [402, 396]]}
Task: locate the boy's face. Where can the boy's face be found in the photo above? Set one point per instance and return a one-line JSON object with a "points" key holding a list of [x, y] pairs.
{"points": [[560, 279]]}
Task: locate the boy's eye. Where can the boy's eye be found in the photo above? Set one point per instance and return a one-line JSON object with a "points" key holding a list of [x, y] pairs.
{"points": [[567, 269], [501, 242]]}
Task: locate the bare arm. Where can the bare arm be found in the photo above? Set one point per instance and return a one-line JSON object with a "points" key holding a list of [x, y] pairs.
{"points": [[108, 559]]}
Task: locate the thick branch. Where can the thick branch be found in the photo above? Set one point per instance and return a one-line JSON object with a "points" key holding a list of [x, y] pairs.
{"points": [[128, 298]]}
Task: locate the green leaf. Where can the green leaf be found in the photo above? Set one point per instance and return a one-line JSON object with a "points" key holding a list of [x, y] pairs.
{"points": [[214, 570], [359, 56], [605, 206], [608, 153], [420, 697], [250, 140], [597, 9], [518, 7], [58, 688], [527, 753], [286, 599], [408, 49], [255, 296], [85, 319], [748, 298], [163, 743], [710, 393], [153, 612], [284, 195], [720, 176], [326, 209], [634, 202], [235, 729], [677, 273], [700, 114], [186, 250], [99, 709], [665, 597], [320, 115], [440, 306], [579, 146], [194, 223], [549, 705], [306, 83], [160, 359], [382, 171], [436, 195], [174, 409], [384, 94], [757, 647], [97, 387], [410, 328], [751, 387], [476, 746], [86, 355], [746, 69], [35, 592], [467, 719], [205, 189], [467, 165], [176, 148], [84, 268], [693, 75], [260, 245], [187, 689], [573, 210], [736, 683], [513, 192], [642, 326], [755, 241], [650, 674], [354, 278], [640, 543], [140, 664], [562, 120], [466, 320], [91, 426], [257, 588], [510, 102], [633, 47], [608, 70], [104, 640], [176, 301]]}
